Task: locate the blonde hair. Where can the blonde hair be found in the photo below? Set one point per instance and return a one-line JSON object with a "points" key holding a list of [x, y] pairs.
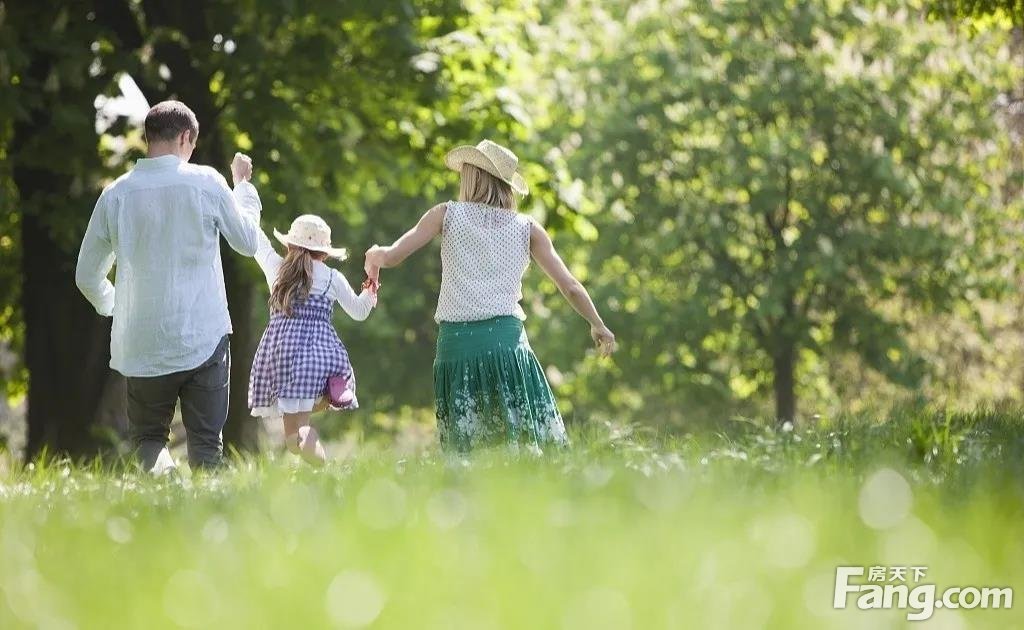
{"points": [[479, 186], [294, 279]]}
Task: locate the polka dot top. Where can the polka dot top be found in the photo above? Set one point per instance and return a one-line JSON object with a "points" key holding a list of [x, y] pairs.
{"points": [[484, 253]]}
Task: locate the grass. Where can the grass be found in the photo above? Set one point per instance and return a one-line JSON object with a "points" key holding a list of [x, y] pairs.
{"points": [[741, 529]]}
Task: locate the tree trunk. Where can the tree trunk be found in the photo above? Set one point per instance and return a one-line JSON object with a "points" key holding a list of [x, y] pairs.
{"points": [[242, 430], [67, 347], [784, 368]]}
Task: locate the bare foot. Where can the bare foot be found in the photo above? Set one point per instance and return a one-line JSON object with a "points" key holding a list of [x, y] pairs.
{"points": [[310, 447]]}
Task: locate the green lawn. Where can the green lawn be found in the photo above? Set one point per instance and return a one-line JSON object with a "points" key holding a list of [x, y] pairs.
{"points": [[742, 529]]}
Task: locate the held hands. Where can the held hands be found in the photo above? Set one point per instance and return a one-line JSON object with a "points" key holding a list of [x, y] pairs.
{"points": [[604, 339], [371, 285], [241, 168], [374, 261], [372, 265]]}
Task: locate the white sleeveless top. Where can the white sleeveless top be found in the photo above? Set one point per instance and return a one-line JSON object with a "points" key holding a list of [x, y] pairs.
{"points": [[484, 253]]}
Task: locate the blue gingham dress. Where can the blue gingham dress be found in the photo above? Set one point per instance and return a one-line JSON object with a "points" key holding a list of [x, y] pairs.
{"points": [[297, 355]]}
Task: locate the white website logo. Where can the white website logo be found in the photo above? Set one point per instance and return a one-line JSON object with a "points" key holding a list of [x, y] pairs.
{"points": [[887, 588]]}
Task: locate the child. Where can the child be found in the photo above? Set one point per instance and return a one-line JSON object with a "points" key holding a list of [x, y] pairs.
{"points": [[300, 349]]}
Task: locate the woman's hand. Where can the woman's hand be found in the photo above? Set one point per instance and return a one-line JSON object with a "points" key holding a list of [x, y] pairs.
{"points": [[375, 259], [604, 339], [544, 253], [241, 168]]}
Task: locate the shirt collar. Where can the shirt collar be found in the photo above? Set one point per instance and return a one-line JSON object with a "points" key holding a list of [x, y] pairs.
{"points": [[164, 161]]}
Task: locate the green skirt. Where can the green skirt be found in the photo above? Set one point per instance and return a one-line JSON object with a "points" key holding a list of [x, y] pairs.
{"points": [[489, 388]]}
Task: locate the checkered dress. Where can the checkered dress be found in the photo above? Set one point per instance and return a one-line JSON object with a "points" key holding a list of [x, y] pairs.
{"points": [[297, 354]]}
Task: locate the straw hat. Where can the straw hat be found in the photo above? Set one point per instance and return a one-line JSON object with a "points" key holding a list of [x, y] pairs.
{"points": [[491, 157], [311, 232]]}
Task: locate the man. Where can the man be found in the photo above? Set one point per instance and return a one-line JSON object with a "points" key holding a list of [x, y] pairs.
{"points": [[162, 223]]}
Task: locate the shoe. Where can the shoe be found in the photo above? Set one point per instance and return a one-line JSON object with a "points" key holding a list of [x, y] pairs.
{"points": [[164, 464]]}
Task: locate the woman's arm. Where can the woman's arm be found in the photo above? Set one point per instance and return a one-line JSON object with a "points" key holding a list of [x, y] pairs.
{"points": [[544, 253], [423, 232]]}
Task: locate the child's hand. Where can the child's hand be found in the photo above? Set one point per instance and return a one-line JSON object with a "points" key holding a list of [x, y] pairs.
{"points": [[372, 273], [371, 285]]}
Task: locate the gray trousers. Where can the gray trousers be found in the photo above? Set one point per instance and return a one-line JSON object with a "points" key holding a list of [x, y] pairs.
{"points": [[204, 409]]}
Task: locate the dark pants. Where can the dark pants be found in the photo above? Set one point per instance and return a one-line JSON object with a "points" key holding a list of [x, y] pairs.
{"points": [[204, 409]]}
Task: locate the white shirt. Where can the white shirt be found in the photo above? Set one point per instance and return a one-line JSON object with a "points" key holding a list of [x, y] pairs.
{"points": [[338, 289], [162, 222], [484, 253]]}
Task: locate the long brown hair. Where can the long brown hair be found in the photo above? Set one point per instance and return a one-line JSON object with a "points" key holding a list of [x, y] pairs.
{"points": [[477, 185], [294, 279]]}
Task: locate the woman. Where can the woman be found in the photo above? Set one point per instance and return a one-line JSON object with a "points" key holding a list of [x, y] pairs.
{"points": [[488, 386]]}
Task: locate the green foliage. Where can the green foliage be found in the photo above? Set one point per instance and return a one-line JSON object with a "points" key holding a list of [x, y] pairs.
{"points": [[976, 9], [49, 76], [804, 176], [12, 332], [341, 108], [739, 184]]}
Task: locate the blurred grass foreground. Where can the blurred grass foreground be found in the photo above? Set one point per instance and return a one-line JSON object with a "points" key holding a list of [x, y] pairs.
{"points": [[739, 529]]}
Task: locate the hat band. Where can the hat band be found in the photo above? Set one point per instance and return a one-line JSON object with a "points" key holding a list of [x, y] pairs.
{"points": [[308, 239], [497, 169]]}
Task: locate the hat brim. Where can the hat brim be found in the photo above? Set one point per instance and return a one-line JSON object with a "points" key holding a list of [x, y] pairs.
{"points": [[334, 252], [468, 154]]}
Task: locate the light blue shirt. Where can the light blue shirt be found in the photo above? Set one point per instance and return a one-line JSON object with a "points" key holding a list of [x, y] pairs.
{"points": [[162, 222]]}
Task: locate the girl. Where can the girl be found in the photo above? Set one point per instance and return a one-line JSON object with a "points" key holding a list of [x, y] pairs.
{"points": [[488, 386], [300, 350]]}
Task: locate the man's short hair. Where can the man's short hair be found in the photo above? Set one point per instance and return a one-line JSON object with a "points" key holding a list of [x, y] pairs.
{"points": [[166, 120]]}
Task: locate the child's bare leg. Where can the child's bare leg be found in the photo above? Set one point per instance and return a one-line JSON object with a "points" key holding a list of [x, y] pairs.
{"points": [[306, 438], [292, 423]]}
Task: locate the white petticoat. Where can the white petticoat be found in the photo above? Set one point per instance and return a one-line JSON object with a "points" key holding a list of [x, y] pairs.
{"points": [[286, 405]]}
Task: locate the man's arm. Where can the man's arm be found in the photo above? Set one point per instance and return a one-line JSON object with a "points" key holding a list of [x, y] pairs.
{"points": [[95, 259], [238, 212]]}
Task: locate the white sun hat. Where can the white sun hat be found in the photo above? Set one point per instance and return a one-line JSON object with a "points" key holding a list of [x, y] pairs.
{"points": [[491, 157], [311, 232]]}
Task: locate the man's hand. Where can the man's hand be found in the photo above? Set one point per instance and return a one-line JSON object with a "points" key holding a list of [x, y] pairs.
{"points": [[241, 168]]}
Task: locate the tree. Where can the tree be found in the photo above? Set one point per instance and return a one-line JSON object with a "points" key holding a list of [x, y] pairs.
{"points": [[1013, 9], [48, 95], [320, 91], [784, 181]]}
